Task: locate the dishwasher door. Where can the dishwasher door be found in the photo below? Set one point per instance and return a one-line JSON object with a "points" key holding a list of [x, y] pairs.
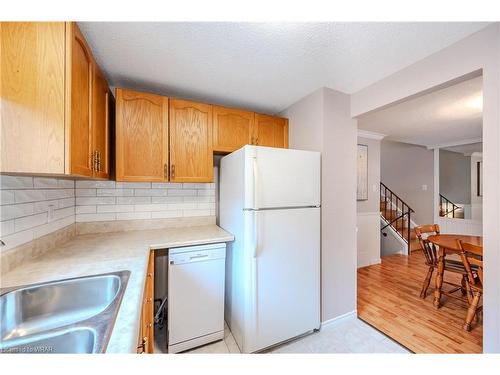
{"points": [[196, 278]]}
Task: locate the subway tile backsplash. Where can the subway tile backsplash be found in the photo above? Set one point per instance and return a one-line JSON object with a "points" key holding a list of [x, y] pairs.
{"points": [[32, 207], [96, 201], [26, 202]]}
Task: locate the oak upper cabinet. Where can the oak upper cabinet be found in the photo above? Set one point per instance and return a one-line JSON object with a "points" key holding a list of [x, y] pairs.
{"points": [[191, 151], [32, 96], [80, 105], [270, 131], [232, 129], [141, 136], [53, 113], [100, 125]]}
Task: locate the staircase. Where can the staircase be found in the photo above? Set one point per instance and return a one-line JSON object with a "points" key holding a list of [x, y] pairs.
{"points": [[397, 215], [449, 209]]}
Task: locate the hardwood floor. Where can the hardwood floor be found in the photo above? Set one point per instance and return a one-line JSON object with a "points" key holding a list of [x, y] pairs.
{"points": [[388, 299]]}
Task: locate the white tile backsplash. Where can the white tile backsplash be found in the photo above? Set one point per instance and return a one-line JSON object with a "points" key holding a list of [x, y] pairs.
{"points": [[16, 182], [143, 200], [95, 184], [25, 204], [7, 196], [27, 200]]}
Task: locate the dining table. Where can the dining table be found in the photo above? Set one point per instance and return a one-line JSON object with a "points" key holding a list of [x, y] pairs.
{"points": [[448, 244]]}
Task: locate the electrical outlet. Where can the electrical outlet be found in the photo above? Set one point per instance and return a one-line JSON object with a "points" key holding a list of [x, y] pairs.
{"points": [[424, 187]]}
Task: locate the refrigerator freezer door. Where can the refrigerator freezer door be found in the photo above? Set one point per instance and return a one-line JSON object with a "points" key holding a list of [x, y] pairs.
{"points": [[277, 178], [286, 295]]}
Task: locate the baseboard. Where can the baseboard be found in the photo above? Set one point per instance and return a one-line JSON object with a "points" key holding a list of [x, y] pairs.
{"points": [[328, 322], [370, 263]]}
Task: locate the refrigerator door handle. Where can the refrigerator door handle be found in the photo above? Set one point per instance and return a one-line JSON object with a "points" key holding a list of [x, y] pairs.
{"points": [[255, 234], [255, 285]]}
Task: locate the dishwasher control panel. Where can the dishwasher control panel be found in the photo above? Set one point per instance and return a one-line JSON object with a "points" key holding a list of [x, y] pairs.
{"points": [[189, 254]]}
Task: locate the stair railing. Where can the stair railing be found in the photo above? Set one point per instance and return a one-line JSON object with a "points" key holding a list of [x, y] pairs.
{"points": [[392, 203], [443, 201]]}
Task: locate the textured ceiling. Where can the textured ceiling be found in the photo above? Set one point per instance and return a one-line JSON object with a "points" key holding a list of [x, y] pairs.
{"points": [[261, 66], [445, 116]]}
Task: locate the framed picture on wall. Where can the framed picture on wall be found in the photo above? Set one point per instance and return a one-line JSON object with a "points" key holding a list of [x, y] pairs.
{"points": [[362, 168], [479, 178]]}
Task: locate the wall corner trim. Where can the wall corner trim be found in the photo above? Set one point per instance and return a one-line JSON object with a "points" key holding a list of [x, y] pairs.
{"points": [[370, 135]]}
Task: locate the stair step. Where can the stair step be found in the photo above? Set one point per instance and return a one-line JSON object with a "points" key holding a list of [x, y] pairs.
{"points": [[390, 215]]}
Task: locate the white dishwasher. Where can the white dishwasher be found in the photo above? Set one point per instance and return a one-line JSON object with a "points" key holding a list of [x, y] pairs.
{"points": [[196, 276]]}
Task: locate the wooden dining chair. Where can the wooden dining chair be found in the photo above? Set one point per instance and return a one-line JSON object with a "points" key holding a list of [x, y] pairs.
{"points": [[430, 252], [472, 259]]}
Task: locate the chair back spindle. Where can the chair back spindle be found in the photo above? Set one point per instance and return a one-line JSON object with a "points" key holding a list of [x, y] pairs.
{"points": [[428, 248]]}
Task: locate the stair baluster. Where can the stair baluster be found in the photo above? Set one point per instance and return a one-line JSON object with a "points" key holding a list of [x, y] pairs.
{"points": [[399, 218]]}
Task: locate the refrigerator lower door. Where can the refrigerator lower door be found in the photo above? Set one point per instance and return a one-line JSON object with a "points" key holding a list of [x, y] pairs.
{"points": [[286, 280]]}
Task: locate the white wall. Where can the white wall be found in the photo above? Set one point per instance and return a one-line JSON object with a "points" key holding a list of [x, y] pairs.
{"points": [[339, 206], [368, 239], [305, 125], [368, 211], [464, 226], [480, 51], [404, 169], [455, 176], [392, 243], [321, 122], [372, 204]]}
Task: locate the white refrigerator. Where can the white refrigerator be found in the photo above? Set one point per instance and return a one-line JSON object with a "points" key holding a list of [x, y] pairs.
{"points": [[270, 201]]}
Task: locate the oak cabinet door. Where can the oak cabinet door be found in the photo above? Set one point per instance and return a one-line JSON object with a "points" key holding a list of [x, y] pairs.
{"points": [[100, 125], [141, 136], [32, 94], [80, 105], [271, 131], [232, 129], [191, 152]]}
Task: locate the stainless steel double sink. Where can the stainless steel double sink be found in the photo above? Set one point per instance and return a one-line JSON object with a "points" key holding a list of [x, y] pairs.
{"points": [[65, 316]]}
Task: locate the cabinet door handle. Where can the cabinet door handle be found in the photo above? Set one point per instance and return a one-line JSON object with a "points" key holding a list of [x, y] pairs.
{"points": [[172, 171], [165, 171], [97, 160]]}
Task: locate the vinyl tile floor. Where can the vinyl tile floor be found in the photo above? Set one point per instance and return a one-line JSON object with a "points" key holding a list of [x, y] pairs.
{"points": [[347, 335]]}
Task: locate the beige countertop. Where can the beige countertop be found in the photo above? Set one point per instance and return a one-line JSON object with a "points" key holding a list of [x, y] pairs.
{"points": [[92, 254]]}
